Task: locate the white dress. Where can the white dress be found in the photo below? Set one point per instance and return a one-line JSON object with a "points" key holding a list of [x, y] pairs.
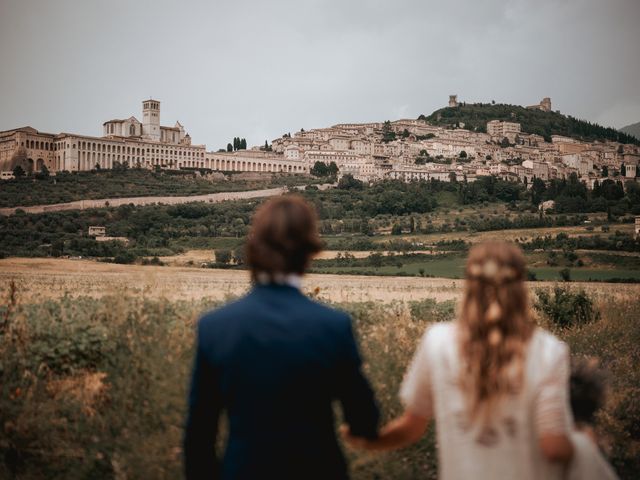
{"points": [[509, 447], [588, 463]]}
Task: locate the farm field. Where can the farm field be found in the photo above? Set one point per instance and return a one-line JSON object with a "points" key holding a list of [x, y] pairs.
{"points": [[53, 278], [508, 235]]}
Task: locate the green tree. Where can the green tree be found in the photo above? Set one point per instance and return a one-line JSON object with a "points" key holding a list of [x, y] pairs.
{"points": [[347, 182], [375, 259], [243, 144], [463, 154], [623, 170], [18, 171], [365, 227], [538, 188], [319, 169], [229, 147], [396, 229], [504, 143], [388, 135], [44, 173], [223, 256], [605, 171]]}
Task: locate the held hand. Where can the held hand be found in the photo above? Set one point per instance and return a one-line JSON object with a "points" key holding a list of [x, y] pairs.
{"points": [[352, 441]]}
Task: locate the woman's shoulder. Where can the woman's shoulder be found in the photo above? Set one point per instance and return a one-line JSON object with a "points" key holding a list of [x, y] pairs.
{"points": [[438, 337], [439, 331], [547, 347]]}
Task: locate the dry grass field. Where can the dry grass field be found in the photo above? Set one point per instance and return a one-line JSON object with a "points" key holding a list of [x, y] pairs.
{"points": [[200, 256], [39, 278], [52, 278]]}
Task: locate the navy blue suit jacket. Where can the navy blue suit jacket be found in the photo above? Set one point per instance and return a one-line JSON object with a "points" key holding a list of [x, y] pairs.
{"points": [[274, 361]]}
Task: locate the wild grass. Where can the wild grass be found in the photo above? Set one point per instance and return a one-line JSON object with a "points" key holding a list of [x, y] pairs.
{"points": [[96, 387]]}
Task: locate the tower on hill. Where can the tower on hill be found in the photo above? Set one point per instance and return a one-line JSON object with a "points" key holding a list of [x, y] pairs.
{"points": [[151, 120], [544, 105], [453, 100]]}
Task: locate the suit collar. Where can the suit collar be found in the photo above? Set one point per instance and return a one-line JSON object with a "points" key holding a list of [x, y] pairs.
{"points": [[284, 279]]}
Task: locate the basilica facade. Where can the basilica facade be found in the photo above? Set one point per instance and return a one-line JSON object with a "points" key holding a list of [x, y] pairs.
{"points": [[144, 144]]}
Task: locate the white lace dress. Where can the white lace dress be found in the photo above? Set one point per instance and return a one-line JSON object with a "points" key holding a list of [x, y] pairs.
{"points": [[508, 448]]}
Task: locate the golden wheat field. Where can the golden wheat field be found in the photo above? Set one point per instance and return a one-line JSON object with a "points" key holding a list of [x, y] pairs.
{"points": [[39, 278]]}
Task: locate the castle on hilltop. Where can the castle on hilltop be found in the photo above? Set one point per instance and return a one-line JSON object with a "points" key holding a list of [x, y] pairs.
{"points": [[544, 105]]}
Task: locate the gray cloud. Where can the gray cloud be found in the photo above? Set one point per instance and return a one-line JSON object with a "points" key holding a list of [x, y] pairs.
{"points": [[258, 69]]}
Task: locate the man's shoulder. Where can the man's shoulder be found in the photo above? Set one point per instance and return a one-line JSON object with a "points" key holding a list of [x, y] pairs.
{"points": [[326, 311], [216, 317], [250, 305]]}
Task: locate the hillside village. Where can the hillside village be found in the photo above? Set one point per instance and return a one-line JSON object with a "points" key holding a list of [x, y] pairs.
{"points": [[426, 148], [409, 149]]}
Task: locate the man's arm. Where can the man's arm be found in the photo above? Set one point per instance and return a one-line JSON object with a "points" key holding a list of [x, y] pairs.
{"points": [[354, 392], [202, 421]]}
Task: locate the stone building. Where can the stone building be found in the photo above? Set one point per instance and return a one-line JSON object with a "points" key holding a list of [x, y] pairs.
{"points": [[453, 101], [497, 130], [146, 144], [544, 105]]}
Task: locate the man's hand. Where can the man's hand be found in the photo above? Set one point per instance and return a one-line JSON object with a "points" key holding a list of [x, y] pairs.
{"points": [[351, 440]]}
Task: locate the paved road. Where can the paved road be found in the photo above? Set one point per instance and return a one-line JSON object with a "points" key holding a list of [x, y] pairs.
{"points": [[166, 200]]}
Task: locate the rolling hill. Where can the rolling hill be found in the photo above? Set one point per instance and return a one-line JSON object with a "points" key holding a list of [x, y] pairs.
{"points": [[633, 129], [476, 115]]}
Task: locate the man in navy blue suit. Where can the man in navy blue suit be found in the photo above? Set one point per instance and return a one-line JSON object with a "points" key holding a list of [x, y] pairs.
{"points": [[275, 361]]}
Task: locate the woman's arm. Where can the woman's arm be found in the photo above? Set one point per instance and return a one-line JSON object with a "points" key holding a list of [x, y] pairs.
{"points": [[401, 432], [556, 447]]}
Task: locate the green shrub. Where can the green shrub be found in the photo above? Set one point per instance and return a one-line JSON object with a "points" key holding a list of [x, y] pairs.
{"points": [[565, 308], [223, 255], [125, 257]]}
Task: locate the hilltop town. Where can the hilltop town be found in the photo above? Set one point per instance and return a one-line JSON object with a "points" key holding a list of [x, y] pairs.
{"points": [[409, 149], [405, 149]]}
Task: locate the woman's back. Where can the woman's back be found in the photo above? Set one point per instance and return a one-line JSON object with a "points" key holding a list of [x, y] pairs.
{"points": [[506, 446]]}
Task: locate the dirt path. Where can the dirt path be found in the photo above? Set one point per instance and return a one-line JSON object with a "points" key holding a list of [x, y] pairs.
{"points": [[115, 202], [40, 278]]}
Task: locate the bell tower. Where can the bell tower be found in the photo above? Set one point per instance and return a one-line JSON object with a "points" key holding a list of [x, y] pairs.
{"points": [[151, 120]]}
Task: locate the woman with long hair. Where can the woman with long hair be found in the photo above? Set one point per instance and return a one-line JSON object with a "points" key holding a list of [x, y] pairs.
{"points": [[496, 385]]}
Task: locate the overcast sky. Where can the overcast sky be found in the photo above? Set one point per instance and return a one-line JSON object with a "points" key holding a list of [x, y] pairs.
{"points": [[259, 68]]}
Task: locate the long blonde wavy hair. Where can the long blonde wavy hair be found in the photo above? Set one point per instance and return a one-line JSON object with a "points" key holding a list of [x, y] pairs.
{"points": [[494, 326]]}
